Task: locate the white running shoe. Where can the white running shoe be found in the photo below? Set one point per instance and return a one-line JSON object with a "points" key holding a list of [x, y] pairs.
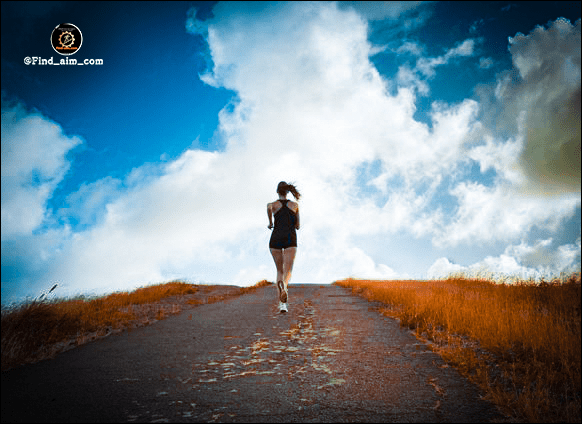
{"points": [[282, 307]]}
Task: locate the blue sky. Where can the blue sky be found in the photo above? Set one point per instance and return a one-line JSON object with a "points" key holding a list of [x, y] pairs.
{"points": [[425, 137]]}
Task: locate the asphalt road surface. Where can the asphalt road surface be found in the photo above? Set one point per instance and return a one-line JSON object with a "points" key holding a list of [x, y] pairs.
{"points": [[331, 358]]}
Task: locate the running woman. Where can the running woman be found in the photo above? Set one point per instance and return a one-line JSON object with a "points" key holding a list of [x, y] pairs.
{"points": [[283, 243]]}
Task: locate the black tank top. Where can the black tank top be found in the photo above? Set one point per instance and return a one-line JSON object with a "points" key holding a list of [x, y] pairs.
{"points": [[285, 218]]}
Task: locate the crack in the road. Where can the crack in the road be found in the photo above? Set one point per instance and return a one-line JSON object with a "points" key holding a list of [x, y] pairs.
{"points": [[297, 351]]}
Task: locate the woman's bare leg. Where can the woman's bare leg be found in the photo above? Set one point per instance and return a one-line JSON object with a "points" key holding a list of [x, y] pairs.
{"points": [[279, 262], [288, 259], [278, 258]]}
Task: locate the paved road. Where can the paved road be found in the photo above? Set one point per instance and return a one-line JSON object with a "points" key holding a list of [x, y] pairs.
{"points": [[332, 358]]}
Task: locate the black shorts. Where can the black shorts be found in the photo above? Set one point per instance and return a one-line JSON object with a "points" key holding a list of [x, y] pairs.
{"points": [[283, 240]]}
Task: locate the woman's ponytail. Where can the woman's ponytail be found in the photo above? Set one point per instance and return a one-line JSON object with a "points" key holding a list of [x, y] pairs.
{"points": [[283, 188], [293, 191]]}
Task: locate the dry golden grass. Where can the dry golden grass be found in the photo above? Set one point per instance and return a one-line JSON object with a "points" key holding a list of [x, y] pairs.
{"points": [[39, 330], [519, 342]]}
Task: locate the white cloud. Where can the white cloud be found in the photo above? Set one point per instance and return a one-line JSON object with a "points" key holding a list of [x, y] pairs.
{"points": [[537, 182], [523, 261], [407, 77], [310, 108], [427, 65], [543, 256], [416, 78], [486, 62], [410, 47], [34, 161], [380, 10], [500, 156], [88, 203], [442, 267], [487, 214], [542, 95]]}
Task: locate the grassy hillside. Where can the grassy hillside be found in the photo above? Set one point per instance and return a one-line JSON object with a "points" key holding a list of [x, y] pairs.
{"points": [[519, 342], [40, 329]]}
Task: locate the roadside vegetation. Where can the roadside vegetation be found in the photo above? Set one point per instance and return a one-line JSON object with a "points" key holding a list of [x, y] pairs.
{"points": [[40, 329], [520, 342]]}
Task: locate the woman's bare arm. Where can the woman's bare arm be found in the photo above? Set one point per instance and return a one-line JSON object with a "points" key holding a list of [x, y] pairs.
{"points": [[297, 215], [270, 215]]}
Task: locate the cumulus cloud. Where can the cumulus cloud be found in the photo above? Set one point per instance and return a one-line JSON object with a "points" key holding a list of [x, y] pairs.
{"points": [[310, 108], [500, 213], [523, 261], [87, 205], [542, 96], [442, 267], [34, 162], [530, 137], [380, 10], [508, 208]]}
